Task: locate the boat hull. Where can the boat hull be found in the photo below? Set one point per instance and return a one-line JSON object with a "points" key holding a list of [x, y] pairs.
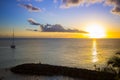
{"points": [[12, 46]]}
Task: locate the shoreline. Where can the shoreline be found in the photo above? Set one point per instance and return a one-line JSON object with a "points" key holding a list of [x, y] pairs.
{"points": [[52, 70]]}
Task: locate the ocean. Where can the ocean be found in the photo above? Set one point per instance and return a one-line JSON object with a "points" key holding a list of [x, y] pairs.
{"points": [[79, 53]]}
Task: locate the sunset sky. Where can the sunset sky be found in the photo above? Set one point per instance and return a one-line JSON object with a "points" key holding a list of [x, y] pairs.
{"points": [[73, 14]]}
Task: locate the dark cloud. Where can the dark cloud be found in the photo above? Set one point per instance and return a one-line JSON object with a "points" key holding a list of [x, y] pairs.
{"points": [[116, 10], [30, 8], [33, 22], [58, 28], [72, 3], [35, 30], [115, 4], [52, 28]]}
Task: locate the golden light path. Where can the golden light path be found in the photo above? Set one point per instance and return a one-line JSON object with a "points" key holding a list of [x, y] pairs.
{"points": [[94, 52], [95, 31]]}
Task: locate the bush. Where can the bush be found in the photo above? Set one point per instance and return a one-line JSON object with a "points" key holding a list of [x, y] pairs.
{"points": [[113, 65]]}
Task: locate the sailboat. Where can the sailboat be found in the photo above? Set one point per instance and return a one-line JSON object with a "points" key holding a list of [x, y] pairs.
{"points": [[13, 42]]}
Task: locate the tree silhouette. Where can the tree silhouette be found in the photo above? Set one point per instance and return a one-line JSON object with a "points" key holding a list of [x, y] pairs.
{"points": [[115, 63]]}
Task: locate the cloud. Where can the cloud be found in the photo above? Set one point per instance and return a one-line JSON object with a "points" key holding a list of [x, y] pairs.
{"points": [[73, 3], [76, 3], [29, 0], [33, 22], [23, 0], [55, 1], [35, 30], [52, 28], [58, 28], [115, 4], [38, 0], [30, 8]]}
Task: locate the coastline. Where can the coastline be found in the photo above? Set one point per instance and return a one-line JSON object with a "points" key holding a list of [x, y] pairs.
{"points": [[6, 74], [52, 70]]}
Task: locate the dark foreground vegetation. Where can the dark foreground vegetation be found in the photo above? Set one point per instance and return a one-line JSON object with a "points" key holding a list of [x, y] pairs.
{"points": [[113, 65], [51, 70]]}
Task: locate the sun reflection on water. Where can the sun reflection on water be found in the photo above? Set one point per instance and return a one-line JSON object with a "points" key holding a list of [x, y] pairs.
{"points": [[94, 52]]}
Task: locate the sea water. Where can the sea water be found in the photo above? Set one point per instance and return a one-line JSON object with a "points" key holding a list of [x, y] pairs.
{"points": [[80, 53]]}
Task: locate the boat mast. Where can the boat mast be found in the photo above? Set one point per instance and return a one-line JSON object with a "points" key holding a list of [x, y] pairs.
{"points": [[13, 46], [13, 37]]}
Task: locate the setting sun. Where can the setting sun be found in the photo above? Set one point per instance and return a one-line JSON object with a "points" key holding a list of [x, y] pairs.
{"points": [[95, 31]]}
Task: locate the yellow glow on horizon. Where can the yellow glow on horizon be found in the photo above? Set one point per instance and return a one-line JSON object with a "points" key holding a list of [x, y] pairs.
{"points": [[95, 31], [104, 33]]}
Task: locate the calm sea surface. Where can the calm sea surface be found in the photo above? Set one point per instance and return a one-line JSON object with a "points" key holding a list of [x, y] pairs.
{"points": [[81, 53]]}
